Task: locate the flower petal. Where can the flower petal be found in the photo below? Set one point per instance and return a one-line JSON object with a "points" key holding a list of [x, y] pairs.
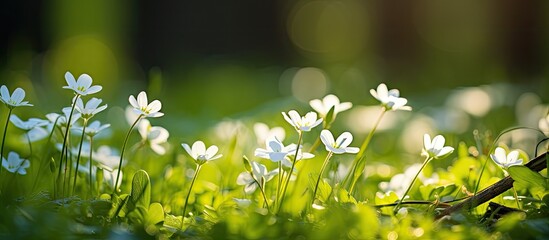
{"points": [[344, 106], [344, 140], [85, 81], [133, 102], [438, 142], [317, 105], [18, 95], [427, 142], [199, 148], [69, 78], [142, 99], [94, 89], [512, 156], [187, 148], [154, 106], [327, 138], [352, 150], [211, 151]]}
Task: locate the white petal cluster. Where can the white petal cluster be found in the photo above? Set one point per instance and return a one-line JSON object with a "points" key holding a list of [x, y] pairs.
{"points": [[390, 99], [275, 150], [15, 99], [340, 145], [505, 160], [15, 164], [142, 106], [305, 123], [199, 152], [259, 173], [82, 86], [435, 149], [155, 136], [323, 106]]}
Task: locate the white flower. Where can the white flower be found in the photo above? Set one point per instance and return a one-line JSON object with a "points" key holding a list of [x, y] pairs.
{"points": [[15, 164], [544, 125], [62, 119], [506, 160], [107, 157], [323, 106], [91, 108], [260, 174], [94, 128], [109, 177], [275, 150], [141, 106], [305, 123], [15, 100], [83, 86], [29, 124], [200, 153], [37, 133], [435, 149], [155, 136], [262, 132], [340, 145], [390, 98]]}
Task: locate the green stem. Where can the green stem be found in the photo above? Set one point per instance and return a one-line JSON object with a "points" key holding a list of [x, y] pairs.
{"points": [[79, 153], [262, 191], [358, 164], [91, 164], [411, 184], [30, 145], [67, 127], [516, 197], [320, 174], [285, 186], [122, 153], [189, 193], [4, 138], [279, 184]]}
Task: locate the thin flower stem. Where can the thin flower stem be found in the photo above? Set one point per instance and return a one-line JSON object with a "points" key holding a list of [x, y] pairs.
{"points": [[68, 126], [285, 186], [30, 145], [91, 179], [4, 137], [516, 197], [326, 160], [189, 193], [279, 184], [122, 152], [262, 192], [79, 153], [411, 184], [358, 164]]}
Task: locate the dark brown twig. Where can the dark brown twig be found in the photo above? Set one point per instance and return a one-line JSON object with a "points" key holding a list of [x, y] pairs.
{"points": [[537, 164]]}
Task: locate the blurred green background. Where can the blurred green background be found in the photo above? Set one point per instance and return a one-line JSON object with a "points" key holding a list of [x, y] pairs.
{"points": [[208, 60]]}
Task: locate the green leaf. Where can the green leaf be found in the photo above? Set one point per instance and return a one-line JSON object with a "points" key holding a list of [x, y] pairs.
{"points": [[247, 164], [140, 197], [387, 198], [141, 189], [154, 219], [343, 196], [329, 118], [528, 179]]}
